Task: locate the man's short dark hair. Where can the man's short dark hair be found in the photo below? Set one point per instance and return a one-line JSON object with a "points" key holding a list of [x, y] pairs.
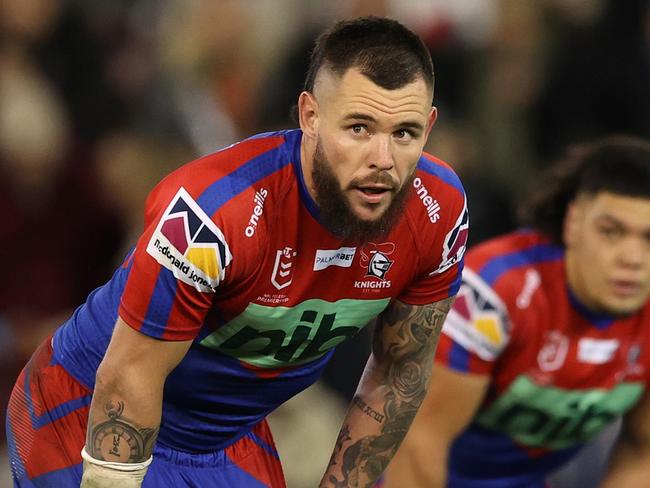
{"points": [[617, 164], [382, 49]]}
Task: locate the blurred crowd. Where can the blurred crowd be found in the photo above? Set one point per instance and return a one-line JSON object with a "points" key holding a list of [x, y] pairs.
{"points": [[99, 100]]}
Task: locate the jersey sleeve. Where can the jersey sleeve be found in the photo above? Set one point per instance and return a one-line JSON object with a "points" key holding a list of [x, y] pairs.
{"points": [[177, 265], [441, 255], [477, 329]]}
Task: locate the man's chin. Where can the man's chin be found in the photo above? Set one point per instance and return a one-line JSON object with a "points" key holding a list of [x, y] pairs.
{"points": [[369, 213], [622, 308], [369, 217]]}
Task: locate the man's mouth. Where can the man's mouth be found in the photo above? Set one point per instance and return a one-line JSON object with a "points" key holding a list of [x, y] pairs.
{"points": [[373, 193], [375, 189], [626, 287]]}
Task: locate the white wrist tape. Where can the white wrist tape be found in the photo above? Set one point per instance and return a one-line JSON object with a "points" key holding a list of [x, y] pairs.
{"points": [[116, 466], [106, 474]]}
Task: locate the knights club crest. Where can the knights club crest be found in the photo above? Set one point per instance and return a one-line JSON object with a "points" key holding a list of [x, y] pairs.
{"points": [[375, 257], [283, 268]]}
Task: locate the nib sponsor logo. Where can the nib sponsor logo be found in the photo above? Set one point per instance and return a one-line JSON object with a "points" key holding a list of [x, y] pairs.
{"points": [[189, 244]]}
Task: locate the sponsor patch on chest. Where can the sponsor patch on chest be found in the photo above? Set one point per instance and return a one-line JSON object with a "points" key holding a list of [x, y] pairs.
{"points": [[271, 336], [551, 417], [342, 257], [597, 351]]}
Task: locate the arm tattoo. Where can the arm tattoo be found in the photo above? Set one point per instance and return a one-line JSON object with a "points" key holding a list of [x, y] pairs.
{"points": [[405, 339], [344, 436], [118, 439], [368, 410]]}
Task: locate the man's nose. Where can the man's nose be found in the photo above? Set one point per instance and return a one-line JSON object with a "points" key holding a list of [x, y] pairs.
{"points": [[381, 157]]}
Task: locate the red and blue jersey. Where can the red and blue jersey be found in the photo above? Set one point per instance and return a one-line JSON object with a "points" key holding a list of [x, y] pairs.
{"points": [[559, 372], [234, 257]]}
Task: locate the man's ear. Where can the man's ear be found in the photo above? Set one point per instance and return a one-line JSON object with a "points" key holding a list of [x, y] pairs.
{"points": [[569, 226], [308, 114], [433, 116]]}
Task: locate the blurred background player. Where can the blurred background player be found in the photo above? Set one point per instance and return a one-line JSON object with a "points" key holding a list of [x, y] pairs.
{"points": [[548, 342]]}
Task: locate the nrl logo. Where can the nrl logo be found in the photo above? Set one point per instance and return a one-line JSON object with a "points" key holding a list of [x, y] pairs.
{"points": [[552, 355], [283, 268]]}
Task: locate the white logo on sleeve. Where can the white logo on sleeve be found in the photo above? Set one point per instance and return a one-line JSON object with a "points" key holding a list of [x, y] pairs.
{"points": [[341, 257], [455, 242]]}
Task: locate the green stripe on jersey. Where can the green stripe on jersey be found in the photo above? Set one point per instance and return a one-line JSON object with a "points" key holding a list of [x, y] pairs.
{"points": [[556, 418], [270, 337]]}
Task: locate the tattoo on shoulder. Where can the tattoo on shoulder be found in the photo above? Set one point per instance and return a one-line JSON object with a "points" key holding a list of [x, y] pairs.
{"points": [[118, 439], [406, 339]]}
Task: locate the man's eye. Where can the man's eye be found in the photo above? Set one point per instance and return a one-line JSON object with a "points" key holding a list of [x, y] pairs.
{"points": [[358, 129], [610, 232], [403, 134]]}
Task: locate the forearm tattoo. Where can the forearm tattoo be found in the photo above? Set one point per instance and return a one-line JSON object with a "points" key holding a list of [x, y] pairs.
{"points": [[118, 439], [368, 410], [413, 333]]}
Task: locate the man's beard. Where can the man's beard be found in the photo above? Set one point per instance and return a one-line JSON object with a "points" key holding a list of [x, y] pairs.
{"points": [[335, 210]]}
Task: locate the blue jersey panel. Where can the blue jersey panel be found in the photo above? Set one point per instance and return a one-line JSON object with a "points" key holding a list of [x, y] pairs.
{"points": [[211, 399], [80, 344], [502, 463]]}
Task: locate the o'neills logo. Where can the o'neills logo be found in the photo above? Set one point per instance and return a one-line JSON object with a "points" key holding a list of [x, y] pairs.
{"points": [[258, 200], [431, 204]]}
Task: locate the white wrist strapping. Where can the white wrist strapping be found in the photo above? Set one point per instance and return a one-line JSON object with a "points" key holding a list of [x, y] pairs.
{"points": [[117, 466], [106, 474]]}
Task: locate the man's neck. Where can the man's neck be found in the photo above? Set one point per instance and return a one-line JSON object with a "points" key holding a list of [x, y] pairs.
{"points": [[307, 151]]}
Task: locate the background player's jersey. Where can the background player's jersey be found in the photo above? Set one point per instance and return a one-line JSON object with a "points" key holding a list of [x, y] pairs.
{"points": [[234, 258], [560, 373]]}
